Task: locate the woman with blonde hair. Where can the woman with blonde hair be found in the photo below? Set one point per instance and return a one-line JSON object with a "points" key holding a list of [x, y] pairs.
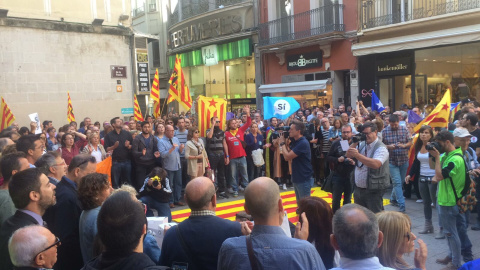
{"points": [[94, 147], [398, 240]]}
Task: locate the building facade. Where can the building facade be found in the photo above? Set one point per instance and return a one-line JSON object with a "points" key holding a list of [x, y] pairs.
{"points": [[215, 40], [305, 49], [410, 52], [49, 48]]}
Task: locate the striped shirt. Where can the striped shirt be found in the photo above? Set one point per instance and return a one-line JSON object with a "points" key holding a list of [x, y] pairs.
{"points": [[182, 138], [326, 142]]}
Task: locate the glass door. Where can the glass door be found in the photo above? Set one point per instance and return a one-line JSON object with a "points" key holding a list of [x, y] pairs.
{"points": [[386, 88]]}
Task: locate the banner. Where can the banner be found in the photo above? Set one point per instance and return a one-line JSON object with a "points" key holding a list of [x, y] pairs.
{"points": [[208, 108], [279, 107]]}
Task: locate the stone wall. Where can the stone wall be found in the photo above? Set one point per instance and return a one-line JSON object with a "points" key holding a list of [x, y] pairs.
{"points": [[38, 67]]}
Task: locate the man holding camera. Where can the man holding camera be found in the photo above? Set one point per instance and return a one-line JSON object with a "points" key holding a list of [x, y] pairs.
{"points": [[449, 173], [396, 138], [298, 151], [372, 175], [343, 168]]}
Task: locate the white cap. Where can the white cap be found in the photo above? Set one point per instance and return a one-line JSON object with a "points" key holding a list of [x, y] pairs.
{"points": [[461, 133]]}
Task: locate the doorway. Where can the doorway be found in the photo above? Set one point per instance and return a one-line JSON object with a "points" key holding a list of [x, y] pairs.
{"points": [[395, 91]]}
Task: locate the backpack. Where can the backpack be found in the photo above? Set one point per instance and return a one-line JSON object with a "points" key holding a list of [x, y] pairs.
{"points": [[467, 199]]}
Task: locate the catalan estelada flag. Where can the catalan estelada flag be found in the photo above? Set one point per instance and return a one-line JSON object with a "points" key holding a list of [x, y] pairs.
{"points": [[178, 89], [7, 116], [155, 95], [439, 116], [208, 108], [137, 113], [455, 107], [70, 115]]}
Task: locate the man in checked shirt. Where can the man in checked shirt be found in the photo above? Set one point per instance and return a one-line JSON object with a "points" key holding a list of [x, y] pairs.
{"points": [[397, 140]]}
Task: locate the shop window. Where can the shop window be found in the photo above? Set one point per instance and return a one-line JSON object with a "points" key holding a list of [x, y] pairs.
{"points": [[451, 67]]}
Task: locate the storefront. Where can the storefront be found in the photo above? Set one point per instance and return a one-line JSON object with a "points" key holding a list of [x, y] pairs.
{"points": [[217, 54], [421, 77], [314, 75]]}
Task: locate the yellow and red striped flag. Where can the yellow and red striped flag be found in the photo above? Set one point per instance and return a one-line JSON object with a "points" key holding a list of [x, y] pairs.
{"points": [[7, 116], [137, 113], [208, 108], [178, 88], [439, 116], [454, 110], [155, 95], [70, 115]]}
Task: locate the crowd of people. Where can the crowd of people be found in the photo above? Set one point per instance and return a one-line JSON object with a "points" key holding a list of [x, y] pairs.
{"points": [[57, 212]]}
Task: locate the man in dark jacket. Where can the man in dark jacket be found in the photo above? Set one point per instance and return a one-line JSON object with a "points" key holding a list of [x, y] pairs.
{"points": [[144, 151], [32, 193], [187, 243], [63, 219], [122, 235], [343, 168]]}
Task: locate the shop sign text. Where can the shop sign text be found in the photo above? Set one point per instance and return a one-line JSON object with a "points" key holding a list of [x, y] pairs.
{"points": [[305, 60], [395, 66]]}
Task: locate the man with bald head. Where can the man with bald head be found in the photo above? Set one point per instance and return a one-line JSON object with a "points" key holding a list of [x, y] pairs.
{"points": [[357, 237], [268, 245], [197, 240]]}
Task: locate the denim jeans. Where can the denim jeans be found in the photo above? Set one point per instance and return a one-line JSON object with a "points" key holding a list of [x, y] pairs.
{"points": [[238, 166], [398, 174], [253, 171], [163, 209], [175, 180], [341, 185], [455, 231], [121, 173], [429, 195], [303, 189]]}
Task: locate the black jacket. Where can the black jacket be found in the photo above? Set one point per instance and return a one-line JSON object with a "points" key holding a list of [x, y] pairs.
{"points": [[9, 226], [63, 220], [342, 169], [137, 150], [106, 261]]}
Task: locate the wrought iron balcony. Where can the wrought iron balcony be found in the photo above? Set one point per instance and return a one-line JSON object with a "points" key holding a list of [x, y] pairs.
{"points": [[193, 8], [314, 22], [375, 13], [138, 11]]}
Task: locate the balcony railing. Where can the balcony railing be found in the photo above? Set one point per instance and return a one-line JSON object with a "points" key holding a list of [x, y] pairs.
{"points": [[193, 8], [152, 7], [375, 13], [314, 22], [138, 11]]}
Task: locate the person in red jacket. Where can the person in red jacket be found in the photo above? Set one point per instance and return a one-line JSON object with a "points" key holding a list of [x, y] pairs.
{"points": [[234, 149]]}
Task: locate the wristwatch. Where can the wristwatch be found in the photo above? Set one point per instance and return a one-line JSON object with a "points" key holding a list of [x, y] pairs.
{"points": [[282, 144]]}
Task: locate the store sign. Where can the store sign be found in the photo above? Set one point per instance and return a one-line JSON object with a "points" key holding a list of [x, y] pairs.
{"points": [[394, 66], [305, 60], [143, 77], [212, 28], [118, 71], [210, 55]]}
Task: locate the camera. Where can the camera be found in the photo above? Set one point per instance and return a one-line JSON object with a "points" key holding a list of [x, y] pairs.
{"points": [[359, 137], [432, 146], [156, 181], [285, 130]]}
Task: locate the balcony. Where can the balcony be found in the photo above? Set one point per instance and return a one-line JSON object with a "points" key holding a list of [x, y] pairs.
{"points": [[138, 11], [375, 13], [315, 22], [195, 8]]}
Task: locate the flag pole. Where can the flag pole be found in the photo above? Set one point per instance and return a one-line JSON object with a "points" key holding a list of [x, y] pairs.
{"points": [[163, 107]]}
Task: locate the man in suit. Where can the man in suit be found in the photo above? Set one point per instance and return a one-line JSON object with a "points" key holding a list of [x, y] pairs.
{"points": [[32, 193], [63, 219]]}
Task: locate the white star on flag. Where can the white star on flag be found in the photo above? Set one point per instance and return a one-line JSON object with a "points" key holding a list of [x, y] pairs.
{"points": [[379, 104]]}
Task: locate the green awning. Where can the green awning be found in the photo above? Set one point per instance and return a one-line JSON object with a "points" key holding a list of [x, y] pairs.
{"points": [[227, 51]]}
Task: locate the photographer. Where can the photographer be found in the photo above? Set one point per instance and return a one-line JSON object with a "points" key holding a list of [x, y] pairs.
{"points": [[343, 168], [298, 151], [372, 175], [449, 173]]}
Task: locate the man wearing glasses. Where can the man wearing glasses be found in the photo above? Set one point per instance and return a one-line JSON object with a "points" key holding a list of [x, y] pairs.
{"points": [[25, 243], [32, 194], [469, 121], [372, 174]]}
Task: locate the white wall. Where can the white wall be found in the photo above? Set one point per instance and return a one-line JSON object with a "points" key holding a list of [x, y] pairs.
{"points": [[38, 67]]}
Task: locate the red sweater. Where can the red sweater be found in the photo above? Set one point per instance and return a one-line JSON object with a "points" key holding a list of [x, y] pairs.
{"points": [[235, 148]]}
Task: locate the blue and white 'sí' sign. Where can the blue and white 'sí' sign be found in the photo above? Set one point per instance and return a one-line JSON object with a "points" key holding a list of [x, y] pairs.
{"points": [[279, 107]]}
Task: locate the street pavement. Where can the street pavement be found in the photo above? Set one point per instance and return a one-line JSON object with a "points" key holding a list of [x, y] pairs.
{"points": [[437, 248]]}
